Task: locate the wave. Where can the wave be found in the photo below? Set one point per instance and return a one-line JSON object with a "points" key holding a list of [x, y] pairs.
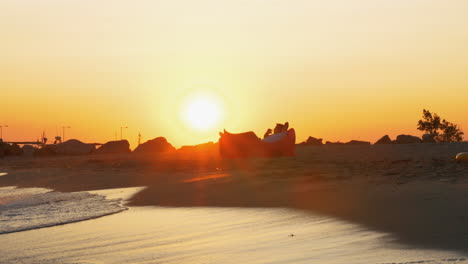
{"points": [[31, 208]]}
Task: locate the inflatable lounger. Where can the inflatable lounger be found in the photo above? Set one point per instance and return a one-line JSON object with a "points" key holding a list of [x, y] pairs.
{"points": [[462, 156], [249, 145]]}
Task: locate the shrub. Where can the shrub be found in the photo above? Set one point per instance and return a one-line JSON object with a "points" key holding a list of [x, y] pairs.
{"points": [[443, 131]]}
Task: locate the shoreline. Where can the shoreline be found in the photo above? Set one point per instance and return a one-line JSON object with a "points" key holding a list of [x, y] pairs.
{"points": [[25, 202], [415, 192]]}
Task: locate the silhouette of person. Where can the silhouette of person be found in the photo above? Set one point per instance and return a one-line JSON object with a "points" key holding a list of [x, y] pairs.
{"points": [[278, 128], [267, 133], [285, 127]]}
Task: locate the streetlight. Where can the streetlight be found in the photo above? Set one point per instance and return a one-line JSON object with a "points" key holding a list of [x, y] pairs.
{"points": [[1, 131], [63, 132], [121, 132]]}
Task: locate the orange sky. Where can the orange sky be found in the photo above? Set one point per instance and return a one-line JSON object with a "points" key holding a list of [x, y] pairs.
{"points": [[340, 70]]}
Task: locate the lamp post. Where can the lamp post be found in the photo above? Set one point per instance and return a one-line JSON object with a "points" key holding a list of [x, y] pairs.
{"points": [[1, 131], [63, 132], [121, 128]]}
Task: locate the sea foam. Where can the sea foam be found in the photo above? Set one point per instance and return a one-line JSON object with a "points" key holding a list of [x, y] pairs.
{"points": [[30, 208]]}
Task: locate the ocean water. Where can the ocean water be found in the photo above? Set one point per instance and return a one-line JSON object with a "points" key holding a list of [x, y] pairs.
{"points": [[194, 235], [30, 208]]}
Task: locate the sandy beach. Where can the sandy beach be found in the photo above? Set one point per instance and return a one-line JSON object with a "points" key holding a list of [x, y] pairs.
{"points": [[407, 203]]}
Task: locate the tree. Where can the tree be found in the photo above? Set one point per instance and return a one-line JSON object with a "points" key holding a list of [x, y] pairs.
{"points": [[432, 124], [451, 132]]}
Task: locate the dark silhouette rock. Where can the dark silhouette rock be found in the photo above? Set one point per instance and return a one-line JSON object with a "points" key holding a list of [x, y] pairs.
{"points": [[352, 142], [74, 147], [13, 150], [121, 146], [28, 150], [428, 138], [46, 150], [2, 148], [357, 142], [334, 143], [311, 141], [205, 147], [247, 144], [158, 144], [407, 139], [384, 140]]}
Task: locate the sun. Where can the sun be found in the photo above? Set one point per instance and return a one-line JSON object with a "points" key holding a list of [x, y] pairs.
{"points": [[202, 112]]}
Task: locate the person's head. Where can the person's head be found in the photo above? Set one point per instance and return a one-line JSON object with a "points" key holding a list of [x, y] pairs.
{"points": [[278, 128]]}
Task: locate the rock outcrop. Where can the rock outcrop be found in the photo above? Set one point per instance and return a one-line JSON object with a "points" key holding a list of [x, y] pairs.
{"points": [[74, 147], [384, 140], [205, 147], [28, 150], [12, 150], [158, 144], [46, 150], [311, 141], [334, 143], [407, 139], [357, 142], [428, 138], [121, 146]]}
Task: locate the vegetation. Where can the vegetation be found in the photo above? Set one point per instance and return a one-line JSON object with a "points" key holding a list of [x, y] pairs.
{"points": [[441, 129]]}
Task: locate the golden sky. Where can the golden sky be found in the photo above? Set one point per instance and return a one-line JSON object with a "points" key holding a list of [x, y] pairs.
{"points": [[337, 69]]}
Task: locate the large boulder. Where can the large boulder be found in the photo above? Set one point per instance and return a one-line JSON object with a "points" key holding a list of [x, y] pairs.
{"points": [[158, 144], [428, 138], [28, 150], [46, 150], [74, 147], [311, 141], [358, 142], [407, 139], [384, 140], [205, 147], [121, 146], [338, 143], [13, 150], [2, 148]]}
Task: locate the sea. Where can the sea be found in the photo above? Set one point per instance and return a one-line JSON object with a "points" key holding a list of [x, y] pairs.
{"points": [[44, 226]]}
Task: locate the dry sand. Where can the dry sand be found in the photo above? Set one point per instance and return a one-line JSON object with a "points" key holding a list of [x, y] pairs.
{"points": [[415, 192]]}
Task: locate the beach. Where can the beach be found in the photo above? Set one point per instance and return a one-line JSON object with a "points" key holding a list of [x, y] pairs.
{"points": [[331, 204]]}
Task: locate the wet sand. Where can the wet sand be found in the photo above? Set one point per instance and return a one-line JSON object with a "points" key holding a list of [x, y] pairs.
{"points": [[153, 234], [416, 192]]}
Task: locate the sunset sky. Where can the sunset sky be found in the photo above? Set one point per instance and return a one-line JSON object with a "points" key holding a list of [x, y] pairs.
{"points": [[337, 70]]}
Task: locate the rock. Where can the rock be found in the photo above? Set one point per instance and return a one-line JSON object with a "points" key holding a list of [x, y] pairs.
{"points": [[428, 138], [407, 139], [158, 144], [384, 140], [209, 146], [13, 150], [121, 146], [357, 142], [74, 147], [334, 143], [28, 150], [311, 141], [46, 150], [2, 148]]}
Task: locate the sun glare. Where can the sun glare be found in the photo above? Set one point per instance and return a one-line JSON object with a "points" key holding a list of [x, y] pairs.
{"points": [[202, 112]]}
